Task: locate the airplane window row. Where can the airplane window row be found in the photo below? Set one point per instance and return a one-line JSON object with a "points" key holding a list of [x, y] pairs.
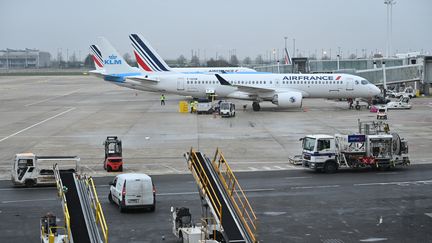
{"points": [[270, 82], [202, 82]]}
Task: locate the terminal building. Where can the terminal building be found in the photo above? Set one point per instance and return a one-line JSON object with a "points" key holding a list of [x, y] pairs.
{"points": [[27, 58], [408, 70]]}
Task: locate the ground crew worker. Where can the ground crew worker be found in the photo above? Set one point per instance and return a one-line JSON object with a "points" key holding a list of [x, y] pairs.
{"points": [[162, 99], [350, 102]]}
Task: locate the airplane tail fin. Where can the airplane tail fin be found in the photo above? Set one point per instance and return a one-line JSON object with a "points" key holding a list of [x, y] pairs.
{"points": [[97, 57], [147, 58], [113, 62], [287, 58]]}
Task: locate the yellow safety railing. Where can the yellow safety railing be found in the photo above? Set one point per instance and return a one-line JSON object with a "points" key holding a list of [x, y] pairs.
{"points": [[100, 218], [63, 198], [51, 234], [204, 182], [205, 228], [236, 193]]}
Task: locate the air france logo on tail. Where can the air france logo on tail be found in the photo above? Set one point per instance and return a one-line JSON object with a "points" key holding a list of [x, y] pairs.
{"points": [[97, 56], [146, 56], [112, 60]]}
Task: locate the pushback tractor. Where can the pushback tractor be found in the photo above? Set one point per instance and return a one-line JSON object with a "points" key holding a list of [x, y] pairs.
{"points": [[113, 154], [373, 147]]}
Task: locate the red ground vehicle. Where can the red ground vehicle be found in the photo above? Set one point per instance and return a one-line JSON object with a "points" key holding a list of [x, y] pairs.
{"points": [[113, 154]]}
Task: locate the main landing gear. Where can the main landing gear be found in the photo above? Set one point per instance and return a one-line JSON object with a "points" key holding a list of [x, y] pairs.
{"points": [[256, 106]]}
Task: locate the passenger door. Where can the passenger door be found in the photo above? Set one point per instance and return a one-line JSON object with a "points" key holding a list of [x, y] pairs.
{"points": [[349, 84], [180, 84]]}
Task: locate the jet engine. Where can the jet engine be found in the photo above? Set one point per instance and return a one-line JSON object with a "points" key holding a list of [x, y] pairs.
{"points": [[288, 99]]}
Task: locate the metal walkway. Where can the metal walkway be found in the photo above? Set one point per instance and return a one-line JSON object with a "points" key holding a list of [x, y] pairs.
{"points": [[84, 219], [77, 221], [222, 192]]}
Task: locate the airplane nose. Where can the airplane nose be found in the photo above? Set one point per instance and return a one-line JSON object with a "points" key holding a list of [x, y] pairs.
{"points": [[374, 90]]}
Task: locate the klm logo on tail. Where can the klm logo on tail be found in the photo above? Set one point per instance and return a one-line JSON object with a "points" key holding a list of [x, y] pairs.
{"points": [[112, 60]]}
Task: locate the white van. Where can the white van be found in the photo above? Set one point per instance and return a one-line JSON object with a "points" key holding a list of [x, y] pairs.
{"points": [[133, 190]]}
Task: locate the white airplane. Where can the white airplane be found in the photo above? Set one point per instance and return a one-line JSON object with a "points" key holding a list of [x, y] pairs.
{"points": [[149, 60], [283, 90]]}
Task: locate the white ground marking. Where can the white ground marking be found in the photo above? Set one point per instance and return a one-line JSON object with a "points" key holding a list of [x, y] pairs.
{"points": [[27, 128], [172, 168], [30, 200], [428, 214], [266, 168], [373, 239], [90, 169], [189, 193], [387, 173], [312, 187], [27, 188], [55, 97], [278, 167], [399, 183], [274, 213]]}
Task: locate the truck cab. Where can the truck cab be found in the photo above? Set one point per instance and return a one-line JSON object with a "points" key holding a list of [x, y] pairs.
{"points": [[319, 153], [23, 170], [227, 109], [31, 170], [113, 154]]}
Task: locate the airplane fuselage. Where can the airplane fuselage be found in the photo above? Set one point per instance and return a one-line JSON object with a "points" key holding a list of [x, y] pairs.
{"points": [[309, 85]]}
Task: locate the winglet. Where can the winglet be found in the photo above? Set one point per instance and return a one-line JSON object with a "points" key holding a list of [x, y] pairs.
{"points": [[222, 81]]}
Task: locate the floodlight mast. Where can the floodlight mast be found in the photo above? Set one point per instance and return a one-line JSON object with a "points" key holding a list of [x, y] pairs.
{"points": [[389, 4]]}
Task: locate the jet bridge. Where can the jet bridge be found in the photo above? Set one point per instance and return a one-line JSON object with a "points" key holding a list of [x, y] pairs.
{"points": [[222, 193], [83, 215]]}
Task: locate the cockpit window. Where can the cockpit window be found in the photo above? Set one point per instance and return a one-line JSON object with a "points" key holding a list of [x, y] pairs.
{"points": [[364, 82]]}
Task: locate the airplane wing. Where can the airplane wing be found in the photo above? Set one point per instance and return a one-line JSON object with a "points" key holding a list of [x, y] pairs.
{"points": [[144, 79], [243, 88]]}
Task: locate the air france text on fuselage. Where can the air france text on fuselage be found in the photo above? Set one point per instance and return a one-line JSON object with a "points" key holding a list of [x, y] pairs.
{"points": [[308, 78]]}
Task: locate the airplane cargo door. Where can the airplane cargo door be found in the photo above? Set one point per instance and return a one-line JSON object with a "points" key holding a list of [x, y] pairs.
{"points": [[350, 84], [180, 84]]}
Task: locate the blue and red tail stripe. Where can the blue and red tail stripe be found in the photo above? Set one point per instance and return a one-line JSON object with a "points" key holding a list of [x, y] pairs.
{"points": [[141, 62], [97, 56], [146, 54]]}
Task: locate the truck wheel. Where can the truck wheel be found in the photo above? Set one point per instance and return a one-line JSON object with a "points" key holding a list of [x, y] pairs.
{"points": [[30, 183], [180, 236], [256, 106], [110, 198], [108, 168], [330, 167], [121, 208], [121, 168]]}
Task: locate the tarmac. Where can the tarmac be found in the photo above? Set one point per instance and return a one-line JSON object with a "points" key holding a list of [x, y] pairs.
{"points": [[290, 206], [72, 115]]}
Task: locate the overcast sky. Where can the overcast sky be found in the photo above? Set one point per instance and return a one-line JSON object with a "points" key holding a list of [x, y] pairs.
{"points": [[175, 27]]}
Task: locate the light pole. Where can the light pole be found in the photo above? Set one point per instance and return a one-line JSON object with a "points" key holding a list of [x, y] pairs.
{"points": [[338, 56], [389, 4], [294, 54]]}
